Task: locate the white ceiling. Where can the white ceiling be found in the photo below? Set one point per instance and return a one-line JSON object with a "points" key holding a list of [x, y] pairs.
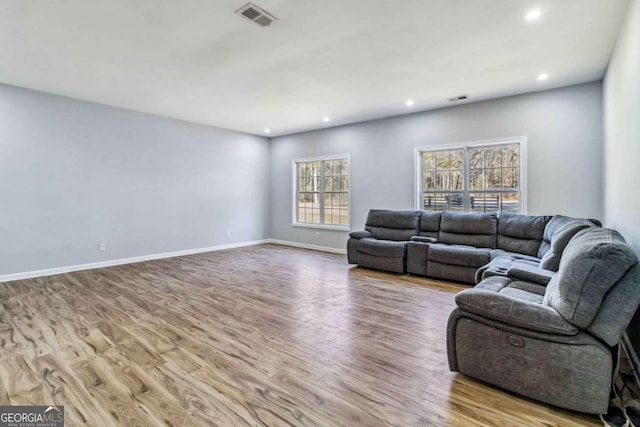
{"points": [[351, 60]]}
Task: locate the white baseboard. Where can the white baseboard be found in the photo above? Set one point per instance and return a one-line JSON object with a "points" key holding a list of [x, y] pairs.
{"points": [[121, 261], [307, 246]]}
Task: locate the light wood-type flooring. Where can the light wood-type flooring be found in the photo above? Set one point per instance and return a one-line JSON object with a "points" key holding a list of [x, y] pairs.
{"points": [[265, 335]]}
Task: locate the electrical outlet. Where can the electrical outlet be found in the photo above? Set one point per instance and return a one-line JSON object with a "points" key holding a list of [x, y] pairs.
{"points": [[102, 247], [228, 233]]}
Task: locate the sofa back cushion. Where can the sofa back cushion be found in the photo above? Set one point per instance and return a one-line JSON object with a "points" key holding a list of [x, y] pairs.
{"points": [[392, 225], [559, 240], [618, 308], [592, 264], [520, 233], [470, 229], [552, 227], [430, 224]]}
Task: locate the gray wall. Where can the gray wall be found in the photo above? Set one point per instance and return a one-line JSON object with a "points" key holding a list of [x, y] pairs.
{"points": [[622, 132], [565, 137], [74, 173]]}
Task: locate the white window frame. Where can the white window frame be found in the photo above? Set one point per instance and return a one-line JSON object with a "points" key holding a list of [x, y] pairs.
{"points": [[294, 193], [522, 140]]}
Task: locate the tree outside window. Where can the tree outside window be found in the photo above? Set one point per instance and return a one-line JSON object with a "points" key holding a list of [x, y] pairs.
{"points": [[322, 192], [474, 178]]}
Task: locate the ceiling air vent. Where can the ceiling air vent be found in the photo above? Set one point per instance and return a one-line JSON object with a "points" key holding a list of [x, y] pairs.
{"points": [[458, 98], [256, 14]]}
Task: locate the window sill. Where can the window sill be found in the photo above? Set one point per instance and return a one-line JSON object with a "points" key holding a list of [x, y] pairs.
{"points": [[322, 226]]}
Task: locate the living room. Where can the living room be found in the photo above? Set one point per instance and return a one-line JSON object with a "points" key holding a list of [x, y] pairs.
{"points": [[151, 180]]}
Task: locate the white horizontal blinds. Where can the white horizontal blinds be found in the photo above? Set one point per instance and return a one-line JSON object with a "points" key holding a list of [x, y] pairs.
{"points": [[479, 178], [322, 192]]}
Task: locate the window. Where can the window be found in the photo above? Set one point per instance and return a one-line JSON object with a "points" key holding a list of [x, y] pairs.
{"points": [[322, 192], [476, 177]]}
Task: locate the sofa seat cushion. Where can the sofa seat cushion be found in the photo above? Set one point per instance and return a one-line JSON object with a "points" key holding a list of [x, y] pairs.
{"points": [[514, 302], [382, 248], [459, 255]]}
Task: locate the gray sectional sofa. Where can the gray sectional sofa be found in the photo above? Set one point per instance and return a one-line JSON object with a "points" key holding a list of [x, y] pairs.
{"points": [[460, 246], [552, 339], [383, 243], [553, 295]]}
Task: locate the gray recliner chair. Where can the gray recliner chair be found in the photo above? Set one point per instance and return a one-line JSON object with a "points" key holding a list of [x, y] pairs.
{"points": [[383, 243], [552, 342]]}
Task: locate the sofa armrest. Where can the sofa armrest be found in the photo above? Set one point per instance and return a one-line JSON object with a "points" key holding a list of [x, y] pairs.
{"points": [[530, 273], [424, 239], [362, 234], [517, 312]]}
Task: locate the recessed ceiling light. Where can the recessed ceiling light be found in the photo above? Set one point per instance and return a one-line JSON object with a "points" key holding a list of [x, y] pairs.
{"points": [[410, 102], [533, 15], [326, 119], [542, 77], [267, 130]]}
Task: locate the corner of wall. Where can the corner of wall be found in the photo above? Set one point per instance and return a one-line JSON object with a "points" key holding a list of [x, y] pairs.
{"points": [[622, 132]]}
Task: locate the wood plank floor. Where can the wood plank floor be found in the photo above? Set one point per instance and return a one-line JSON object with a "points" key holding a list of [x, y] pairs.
{"points": [[259, 336]]}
